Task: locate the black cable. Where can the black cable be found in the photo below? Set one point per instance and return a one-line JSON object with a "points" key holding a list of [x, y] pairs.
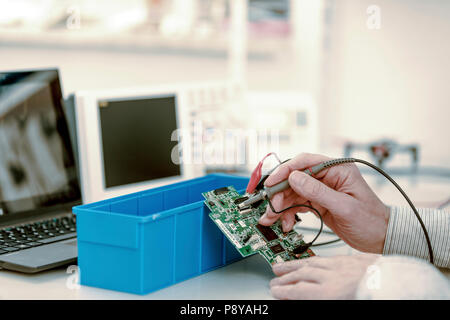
{"points": [[430, 249], [326, 242]]}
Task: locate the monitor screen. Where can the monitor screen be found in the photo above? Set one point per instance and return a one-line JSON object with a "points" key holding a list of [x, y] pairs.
{"points": [[37, 165], [136, 139]]}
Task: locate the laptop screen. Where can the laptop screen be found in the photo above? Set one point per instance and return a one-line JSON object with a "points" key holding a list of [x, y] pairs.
{"points": [[37, 165]]}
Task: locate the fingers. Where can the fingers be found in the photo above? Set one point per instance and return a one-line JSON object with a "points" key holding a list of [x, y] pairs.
{"points": [[318, 192], [282, 268], [318, 262], [298, 291], [269, 217], [288, 220], [309, 274], [301, 279], [338, 280], [300, 162], [279, 202]]}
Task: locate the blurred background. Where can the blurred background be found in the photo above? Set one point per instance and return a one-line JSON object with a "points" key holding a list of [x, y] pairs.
{"points": [[371, 78]]}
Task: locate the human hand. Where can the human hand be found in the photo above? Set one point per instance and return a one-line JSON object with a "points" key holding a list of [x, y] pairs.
{"points": [[320, 277], [347, 204]]}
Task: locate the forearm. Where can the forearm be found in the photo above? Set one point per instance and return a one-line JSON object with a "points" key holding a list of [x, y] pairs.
{"points": [[406, 237]]}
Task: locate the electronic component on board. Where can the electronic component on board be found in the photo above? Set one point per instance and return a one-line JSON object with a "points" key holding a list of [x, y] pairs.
{"points": [[276, 249], [240, 226], [240, 200], [220, 191], [245, 211], [267, 232]]}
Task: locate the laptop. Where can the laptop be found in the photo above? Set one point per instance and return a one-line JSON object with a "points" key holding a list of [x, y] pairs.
{"points": [[39, 181]]}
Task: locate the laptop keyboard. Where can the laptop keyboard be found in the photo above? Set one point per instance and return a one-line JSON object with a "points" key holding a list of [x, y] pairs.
{"points": [[36, 234]]}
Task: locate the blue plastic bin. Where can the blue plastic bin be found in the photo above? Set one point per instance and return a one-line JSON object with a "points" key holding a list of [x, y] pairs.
{"points": [[152, 239]]}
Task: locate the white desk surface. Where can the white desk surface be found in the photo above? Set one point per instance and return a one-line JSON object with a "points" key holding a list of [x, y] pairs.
{"points": [[246, 279]]}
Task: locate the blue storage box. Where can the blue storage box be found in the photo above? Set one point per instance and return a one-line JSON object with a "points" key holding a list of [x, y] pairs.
{"points": [[152, 239]]}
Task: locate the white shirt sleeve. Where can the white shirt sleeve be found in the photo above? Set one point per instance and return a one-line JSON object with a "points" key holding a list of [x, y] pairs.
{"points": [[406, 237], [400, 277]]}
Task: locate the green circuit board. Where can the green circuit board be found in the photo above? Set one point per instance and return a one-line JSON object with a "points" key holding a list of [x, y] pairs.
{"points": [[241, 227]]}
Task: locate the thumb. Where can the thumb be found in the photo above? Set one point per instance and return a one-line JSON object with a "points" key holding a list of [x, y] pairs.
{"points": [[316, 191]]}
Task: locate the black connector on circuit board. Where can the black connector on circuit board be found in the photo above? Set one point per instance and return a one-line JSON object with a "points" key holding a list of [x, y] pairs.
{"points": [[221, 191], [240, 200], [301, 249]]}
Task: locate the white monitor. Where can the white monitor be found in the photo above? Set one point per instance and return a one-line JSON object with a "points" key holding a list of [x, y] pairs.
{"points": [[98, 131], [124, 140], [290, 115]]}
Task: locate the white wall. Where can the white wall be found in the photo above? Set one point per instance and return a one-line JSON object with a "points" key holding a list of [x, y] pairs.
{"points": [[89, 69], [392, 82]]}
